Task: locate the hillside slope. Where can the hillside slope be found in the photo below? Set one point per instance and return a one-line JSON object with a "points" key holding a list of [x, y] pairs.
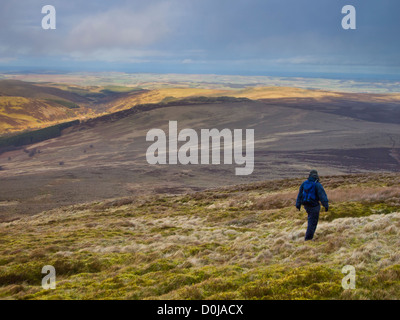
{"points": [[106, 157], [27, 106], [93, 100], [37, 91], [254, 93], [18, 113], [284, 94], [242, 242]]}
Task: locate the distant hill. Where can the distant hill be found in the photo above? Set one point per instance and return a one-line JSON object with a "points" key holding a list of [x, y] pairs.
{"points": [[254, 93], [24, 89], [109, 152], [27, 106], [18, 113]]}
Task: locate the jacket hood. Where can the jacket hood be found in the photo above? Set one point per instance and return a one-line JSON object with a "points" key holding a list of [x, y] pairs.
{"points": [[313, 175]]}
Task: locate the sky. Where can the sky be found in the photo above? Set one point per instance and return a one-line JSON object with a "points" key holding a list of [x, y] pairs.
{"points": [[245, 37]]}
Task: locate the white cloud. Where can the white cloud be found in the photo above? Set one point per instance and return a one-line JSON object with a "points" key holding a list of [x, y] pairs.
{"points": [[121, 27]]}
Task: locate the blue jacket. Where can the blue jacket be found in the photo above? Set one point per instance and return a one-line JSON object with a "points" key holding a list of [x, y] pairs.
{"points": [[321, 194]]}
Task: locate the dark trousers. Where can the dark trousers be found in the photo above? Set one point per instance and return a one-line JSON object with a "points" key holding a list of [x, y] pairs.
{"points": [[313, 216]]}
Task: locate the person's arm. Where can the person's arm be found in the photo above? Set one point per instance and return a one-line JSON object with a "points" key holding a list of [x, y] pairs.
{"points": [[299, 196], [322, 196]]}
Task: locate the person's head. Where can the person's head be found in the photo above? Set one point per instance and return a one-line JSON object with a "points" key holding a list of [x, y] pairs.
{"points": [[314, 174]]}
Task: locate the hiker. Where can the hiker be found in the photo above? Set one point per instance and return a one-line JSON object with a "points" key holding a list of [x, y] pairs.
{"points": [[310, 194]]}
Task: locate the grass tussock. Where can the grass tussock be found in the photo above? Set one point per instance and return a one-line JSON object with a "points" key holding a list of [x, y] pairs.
{"points": [[243, 242]]}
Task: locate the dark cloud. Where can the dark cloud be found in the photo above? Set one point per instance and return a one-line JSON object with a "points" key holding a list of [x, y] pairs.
{"points": [[204, 34]]}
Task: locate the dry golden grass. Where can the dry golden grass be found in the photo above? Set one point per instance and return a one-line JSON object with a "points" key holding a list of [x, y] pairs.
{"points": [[231, 243], [255, 93], [17, 113], [258, 93], [160, 95]]}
